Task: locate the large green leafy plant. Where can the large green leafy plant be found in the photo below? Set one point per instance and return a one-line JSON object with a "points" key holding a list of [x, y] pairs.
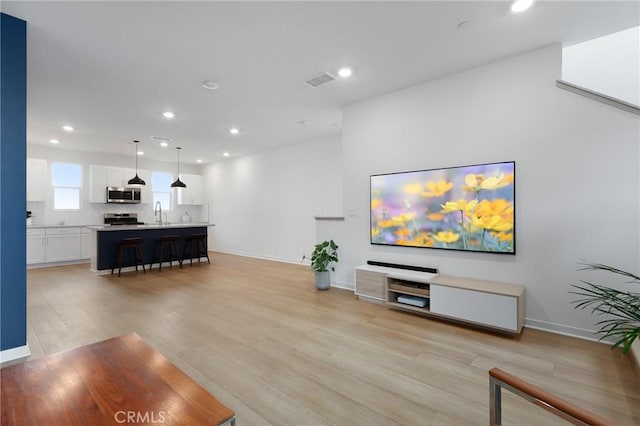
{"points": [[621, 308], [323, 254]]}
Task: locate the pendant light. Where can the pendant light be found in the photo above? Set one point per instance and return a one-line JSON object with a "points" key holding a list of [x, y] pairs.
{"points": [[178, 183], [136, 181]]}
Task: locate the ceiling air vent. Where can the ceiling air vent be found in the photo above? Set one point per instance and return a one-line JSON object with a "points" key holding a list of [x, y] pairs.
{"points": [[323, 78]]}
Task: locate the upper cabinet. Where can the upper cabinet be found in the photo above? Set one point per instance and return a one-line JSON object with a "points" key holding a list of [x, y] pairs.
{"points": [[102, 176], [98, 184], [193, 193], [37, 179], [146, 196], [118, 176]]}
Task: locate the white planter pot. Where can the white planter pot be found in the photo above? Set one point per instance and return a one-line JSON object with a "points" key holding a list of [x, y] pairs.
{"points": [[322, 280]]}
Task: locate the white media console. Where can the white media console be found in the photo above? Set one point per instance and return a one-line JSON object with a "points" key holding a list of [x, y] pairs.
{"points": [[495, 305]]}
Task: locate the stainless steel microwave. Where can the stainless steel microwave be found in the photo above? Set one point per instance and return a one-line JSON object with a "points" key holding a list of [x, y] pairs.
{"points": [[123, 195]]}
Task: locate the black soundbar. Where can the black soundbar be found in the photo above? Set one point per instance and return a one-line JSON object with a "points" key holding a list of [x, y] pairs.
{"points": [[398, 266]]}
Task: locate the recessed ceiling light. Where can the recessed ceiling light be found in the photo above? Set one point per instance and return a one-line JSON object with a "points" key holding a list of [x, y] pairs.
{"points": [[68, 128], [234, 131], [226, 154], [168, 114], [54, 141], [521, 5], [164, 142], [211, 85], [199, 160], [345, 72], [140, 152]]}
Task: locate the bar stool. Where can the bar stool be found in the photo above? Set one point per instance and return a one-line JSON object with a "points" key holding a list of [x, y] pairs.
{"points": [[161, 245], [197, 245], [133, 244]]}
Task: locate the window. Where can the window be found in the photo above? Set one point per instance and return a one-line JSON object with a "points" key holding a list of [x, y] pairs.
{"points": [[161, 187], [66, 179]]}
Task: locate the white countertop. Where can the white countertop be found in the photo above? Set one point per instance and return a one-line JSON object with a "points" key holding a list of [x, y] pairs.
{"points": [[148, 226], [58, 226]]}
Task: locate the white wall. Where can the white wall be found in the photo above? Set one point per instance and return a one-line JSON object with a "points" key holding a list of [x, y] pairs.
{"points": [[92, 213], [576, 176], [609, 65], [263, 204]]}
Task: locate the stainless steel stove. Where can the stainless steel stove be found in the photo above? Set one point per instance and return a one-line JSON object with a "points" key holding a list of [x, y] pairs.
{"points": [[120, 219]]}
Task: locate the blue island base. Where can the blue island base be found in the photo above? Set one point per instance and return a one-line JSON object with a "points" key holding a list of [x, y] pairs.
{"points": [[107, 245]]}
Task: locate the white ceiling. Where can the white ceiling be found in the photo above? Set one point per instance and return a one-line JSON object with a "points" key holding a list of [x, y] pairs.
{"points": [[111, 68]]}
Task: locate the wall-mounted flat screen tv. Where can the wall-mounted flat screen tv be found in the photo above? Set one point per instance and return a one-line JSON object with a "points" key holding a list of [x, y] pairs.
{"points": [[470, 208]]}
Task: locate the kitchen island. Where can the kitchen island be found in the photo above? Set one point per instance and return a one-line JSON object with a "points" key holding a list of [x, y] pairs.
{"points": [[106, 239]]}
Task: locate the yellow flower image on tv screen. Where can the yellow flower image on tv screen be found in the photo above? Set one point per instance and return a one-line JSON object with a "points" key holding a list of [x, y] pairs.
{"points": [[470, 208]]}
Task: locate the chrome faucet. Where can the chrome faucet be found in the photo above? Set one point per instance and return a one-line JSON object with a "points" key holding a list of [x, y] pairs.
{"points": [[157, 212]]}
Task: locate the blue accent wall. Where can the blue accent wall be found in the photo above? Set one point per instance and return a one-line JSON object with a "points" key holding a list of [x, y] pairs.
{"points": [[13, 191]]}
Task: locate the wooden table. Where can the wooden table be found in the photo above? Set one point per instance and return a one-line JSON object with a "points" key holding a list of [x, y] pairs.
{"points": [[117, 381]]}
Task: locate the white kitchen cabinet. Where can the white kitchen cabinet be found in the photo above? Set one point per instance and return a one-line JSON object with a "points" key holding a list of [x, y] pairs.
{"points": [[119, 176], [36, 240], [62, 244], [97, 184], [58, 244], [193, 193], [146, 195], [37, 179]]}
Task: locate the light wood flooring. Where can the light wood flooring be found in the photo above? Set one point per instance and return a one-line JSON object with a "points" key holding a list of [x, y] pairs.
{"points": [[259, 337]]}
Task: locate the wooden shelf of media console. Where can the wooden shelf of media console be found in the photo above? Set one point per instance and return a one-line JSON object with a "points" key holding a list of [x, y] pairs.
{"points": [[488, 304], [410, 290], [403, 287], [411, 308]]}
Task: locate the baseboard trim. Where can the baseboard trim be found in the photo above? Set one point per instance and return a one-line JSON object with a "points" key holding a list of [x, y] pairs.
{"points": [[275, 259], [336, 284], [342, 285], [14, 354], [52, 264], [565, 330]]}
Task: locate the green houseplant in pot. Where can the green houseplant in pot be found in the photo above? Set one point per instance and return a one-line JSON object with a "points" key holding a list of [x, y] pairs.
{"points": [[620, 308], [323, 254]]}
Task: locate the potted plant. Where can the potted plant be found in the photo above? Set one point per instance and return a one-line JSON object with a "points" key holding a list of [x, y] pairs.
{"points": [[622, 308], [323, 254]]}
